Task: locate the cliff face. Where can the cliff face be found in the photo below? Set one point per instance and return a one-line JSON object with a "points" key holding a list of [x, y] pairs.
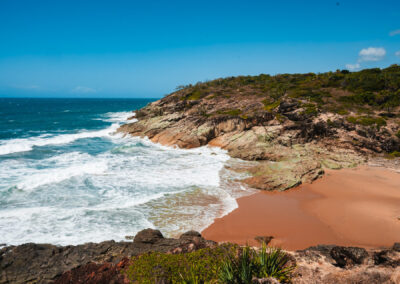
{"points": [[302, 123]]}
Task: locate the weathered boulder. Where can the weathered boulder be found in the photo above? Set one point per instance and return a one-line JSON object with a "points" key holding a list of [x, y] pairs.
{"points": [[148, 236], [190, 235], [347, 256]]}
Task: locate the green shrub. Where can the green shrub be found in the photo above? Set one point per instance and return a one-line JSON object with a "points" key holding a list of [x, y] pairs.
{"points": [[342, 112], [310, 109], [375, 88], [395, 154], [267, 262], [269, 106], [232, 112], [367, 121], [195, 95], [398, 134], [280, 117], [309, 94], [196, 267], [223, 264]]}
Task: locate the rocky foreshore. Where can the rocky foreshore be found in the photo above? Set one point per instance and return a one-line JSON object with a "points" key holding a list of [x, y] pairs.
{"points": [[44, 263], [105, 262]]}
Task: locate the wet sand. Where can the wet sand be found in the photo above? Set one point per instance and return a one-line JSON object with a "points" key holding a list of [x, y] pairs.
{"points": [[357, 207]]}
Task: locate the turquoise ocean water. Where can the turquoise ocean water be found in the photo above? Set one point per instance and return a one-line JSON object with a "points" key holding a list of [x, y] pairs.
{"points": [[66, 177]]}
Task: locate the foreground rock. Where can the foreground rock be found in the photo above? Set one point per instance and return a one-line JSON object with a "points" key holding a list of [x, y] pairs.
{"points": [[93, 273], [321, 264], [43, 263], [105, 262], [335, 264]]}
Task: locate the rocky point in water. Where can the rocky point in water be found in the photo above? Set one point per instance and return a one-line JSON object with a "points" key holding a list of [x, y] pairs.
{"points": [[292, 125]]}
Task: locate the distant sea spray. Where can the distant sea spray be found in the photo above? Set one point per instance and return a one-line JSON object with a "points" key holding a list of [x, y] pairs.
{"points": [[76, 181]]}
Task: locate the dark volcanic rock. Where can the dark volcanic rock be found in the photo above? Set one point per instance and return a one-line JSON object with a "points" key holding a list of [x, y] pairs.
{"points": [[347, 256], [93, 273], [387, 258], [150, 236], [43, 263], [287, 106], [319, 264], [190, 235]]}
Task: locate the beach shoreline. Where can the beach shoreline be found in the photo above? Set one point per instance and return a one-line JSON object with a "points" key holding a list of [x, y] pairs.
{"points": [[349, 207]]}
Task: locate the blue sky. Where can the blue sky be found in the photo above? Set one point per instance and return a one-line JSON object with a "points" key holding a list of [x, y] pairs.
{"points": [[147, 48]]}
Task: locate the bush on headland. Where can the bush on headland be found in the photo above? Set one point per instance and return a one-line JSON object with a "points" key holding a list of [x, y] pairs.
{"points": [[227, 263], [368, 89]]}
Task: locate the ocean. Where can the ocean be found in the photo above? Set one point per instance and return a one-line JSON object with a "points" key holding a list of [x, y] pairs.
{"points": [[66, 177]]}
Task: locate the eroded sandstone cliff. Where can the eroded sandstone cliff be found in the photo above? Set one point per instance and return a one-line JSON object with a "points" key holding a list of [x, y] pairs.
{"points": [[293, 125]]}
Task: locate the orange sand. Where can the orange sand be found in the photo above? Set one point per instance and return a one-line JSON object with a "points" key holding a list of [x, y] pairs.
{"points": [[357, 207]]}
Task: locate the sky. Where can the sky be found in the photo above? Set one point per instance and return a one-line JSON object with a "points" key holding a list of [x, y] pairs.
{"points": [[69, 48]]}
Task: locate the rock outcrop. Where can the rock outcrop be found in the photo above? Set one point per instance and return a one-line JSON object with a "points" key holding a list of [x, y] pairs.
{"points": [[105, 262], [292, 141], [43, 263], [336, 264]]}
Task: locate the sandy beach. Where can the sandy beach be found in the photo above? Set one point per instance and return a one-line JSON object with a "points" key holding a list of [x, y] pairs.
{"points": [[352, 207]]}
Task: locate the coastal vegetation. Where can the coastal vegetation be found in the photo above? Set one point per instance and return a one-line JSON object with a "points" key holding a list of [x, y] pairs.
{"points": [[340, 91], [227, 263], [367, 93]]}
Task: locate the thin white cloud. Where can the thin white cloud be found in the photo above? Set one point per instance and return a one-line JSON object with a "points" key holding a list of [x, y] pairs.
{"points": [[371, 54], [353, 66], [395, 32], [397, 53], [83, 90]]}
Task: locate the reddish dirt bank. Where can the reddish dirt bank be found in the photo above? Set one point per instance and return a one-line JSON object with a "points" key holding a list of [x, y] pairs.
{"points": [[352, 207]]}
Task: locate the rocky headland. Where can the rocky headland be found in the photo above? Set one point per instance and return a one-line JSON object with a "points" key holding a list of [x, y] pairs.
{"points": [[293, 125]]}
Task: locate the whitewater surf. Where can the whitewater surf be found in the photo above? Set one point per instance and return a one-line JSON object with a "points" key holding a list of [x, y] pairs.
{"points": [[85, 183]]}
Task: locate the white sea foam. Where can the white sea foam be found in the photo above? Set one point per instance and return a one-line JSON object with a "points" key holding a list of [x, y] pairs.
{"points": [[27, 144], [51, 176], [117, 116], [66, 226], [77, 196]]}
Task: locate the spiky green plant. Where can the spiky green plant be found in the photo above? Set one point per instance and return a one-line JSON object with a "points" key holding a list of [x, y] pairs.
{"points": [[267, 262], [191, 277], [273, 262], [239, 269]]}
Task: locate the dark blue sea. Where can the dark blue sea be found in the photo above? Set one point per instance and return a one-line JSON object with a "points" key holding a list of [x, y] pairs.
{"points": [[67, 177]]}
